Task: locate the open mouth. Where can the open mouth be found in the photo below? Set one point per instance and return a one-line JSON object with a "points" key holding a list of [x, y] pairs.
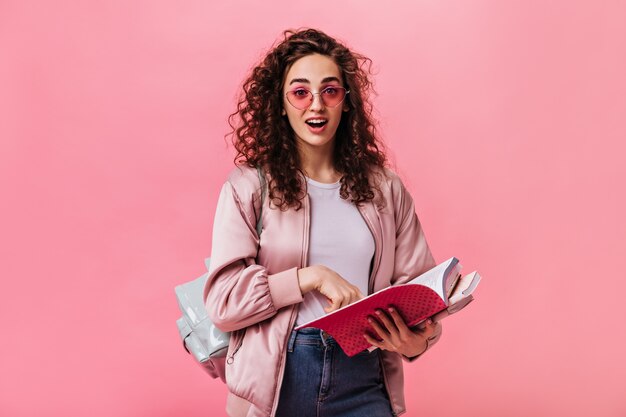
{"points": [[316, 123]]}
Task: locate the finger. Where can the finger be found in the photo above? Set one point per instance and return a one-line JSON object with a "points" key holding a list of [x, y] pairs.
{"points": [[398, 321], [334, 305], [357, 297], [353, 294], [373, 341], [378, 328], [428, 329], [432, 329], [347, 299], [422, 326], [384, 318]]}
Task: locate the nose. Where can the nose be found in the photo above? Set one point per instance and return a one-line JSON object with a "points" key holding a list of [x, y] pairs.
{"points": [[317, 104]]}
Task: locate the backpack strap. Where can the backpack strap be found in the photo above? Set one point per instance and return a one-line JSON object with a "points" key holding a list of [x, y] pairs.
{"points": [[259, 223]]}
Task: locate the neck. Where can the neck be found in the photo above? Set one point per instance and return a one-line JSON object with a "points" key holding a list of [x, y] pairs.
{"points": [[317, 162]]}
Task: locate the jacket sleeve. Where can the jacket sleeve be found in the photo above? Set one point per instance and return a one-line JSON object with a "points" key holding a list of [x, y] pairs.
{"points": [[239, 292], [412, 254]]}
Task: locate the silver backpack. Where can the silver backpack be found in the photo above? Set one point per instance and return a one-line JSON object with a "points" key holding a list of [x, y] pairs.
{"points": [[200, 337]]}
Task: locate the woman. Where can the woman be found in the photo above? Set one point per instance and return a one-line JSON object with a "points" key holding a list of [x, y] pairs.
{"points": [[336, 224]]}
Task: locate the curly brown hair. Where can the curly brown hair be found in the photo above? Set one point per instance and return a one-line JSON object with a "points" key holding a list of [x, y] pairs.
{"points": [[263, 137]]}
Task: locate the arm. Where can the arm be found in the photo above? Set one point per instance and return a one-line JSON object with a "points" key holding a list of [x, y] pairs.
{"points": [[239, 292]]}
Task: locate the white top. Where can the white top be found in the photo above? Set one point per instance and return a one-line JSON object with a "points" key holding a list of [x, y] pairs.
{"points": [[339, 239]]}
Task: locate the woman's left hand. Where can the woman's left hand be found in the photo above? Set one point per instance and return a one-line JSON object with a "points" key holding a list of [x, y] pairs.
{"points": [[396, 336]]}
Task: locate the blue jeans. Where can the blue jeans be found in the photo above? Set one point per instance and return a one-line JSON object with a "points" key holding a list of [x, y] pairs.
{"points": [[321, 381]]}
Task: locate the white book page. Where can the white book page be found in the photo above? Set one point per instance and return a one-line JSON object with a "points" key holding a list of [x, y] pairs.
{"points": [[465, 287], [435, 278]]}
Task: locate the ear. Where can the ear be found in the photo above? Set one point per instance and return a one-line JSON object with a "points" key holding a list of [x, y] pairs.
{"points": [[346, 108], [283, 112]]}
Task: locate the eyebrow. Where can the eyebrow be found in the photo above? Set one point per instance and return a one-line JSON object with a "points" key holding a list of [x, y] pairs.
{"points": [[305, 81]]}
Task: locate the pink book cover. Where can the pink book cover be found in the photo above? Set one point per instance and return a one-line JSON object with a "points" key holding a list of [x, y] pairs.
{"points": [[436, 293]]}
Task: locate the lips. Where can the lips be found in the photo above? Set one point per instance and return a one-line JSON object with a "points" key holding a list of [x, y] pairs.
{"points": [[316, 123], [316, 128]]}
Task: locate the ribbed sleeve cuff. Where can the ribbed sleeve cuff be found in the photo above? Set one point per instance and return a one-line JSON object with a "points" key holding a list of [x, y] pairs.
{"points": [[285, 288]]}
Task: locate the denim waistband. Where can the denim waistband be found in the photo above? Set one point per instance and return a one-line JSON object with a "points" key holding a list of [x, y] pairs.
{"points": [[310, 336]]}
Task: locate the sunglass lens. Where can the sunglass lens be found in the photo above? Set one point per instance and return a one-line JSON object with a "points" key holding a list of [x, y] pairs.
{"points": [[332, 96], [300, 99]]}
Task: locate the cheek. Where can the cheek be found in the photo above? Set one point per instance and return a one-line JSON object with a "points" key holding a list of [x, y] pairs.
{"points": [[339, 114], [293, 119]]}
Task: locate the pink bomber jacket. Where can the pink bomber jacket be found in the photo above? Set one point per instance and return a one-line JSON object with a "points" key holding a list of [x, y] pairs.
{"points": [[252, 289]]}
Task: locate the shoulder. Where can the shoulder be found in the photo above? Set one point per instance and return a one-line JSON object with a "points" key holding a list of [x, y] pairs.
{"points": [[244, 184], [244, 179], [392, 197], [389, 185], [393, 181]]}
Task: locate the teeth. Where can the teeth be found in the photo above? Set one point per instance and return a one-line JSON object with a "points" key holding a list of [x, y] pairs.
{"points": [[316, 121]]}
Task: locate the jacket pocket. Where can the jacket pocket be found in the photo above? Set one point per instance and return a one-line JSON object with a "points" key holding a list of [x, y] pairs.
{"points": [[236, 340]]}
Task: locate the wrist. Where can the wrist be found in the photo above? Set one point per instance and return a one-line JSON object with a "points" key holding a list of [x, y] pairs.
{"points": [[426, 346], [421, 352], [307, 279]]}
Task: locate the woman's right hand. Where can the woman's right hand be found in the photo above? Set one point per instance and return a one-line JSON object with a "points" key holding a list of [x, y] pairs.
{"points": [[339, 292]]}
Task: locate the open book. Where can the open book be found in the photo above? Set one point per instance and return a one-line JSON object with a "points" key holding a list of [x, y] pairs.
{"points": [[437, 293]]}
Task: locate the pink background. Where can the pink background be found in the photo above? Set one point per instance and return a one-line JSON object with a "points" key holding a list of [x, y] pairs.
{"points": [[507, 120]]}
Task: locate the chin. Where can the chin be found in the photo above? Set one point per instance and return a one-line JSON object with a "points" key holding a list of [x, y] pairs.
{"points": [[315, 141]]}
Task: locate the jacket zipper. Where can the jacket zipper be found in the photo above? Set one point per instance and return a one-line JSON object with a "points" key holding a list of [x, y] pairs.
{"points": [[303, 261], [231, 358], [379, 255], [378, 251]]}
